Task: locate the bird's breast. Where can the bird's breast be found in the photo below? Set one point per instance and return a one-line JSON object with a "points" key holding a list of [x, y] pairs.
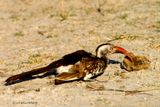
{"points": [[94, 69]]}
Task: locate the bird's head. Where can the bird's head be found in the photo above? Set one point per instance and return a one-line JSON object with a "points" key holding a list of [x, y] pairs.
{"points": [[106, 49]]}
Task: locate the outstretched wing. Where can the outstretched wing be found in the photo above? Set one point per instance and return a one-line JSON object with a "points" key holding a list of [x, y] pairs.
{"points": [[68, 59]]}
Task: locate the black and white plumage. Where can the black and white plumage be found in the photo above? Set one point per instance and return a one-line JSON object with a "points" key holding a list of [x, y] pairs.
{"points": [[74, 66]]}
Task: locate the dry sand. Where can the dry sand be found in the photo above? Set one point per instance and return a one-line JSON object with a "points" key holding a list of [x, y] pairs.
{"points": [[34, 33]]}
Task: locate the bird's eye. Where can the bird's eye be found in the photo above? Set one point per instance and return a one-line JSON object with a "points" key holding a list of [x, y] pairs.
{"points": [[111, 48]]}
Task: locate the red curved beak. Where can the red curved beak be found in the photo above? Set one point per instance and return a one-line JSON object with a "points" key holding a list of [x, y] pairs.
{"points": [[128, 55], [121, 50]]}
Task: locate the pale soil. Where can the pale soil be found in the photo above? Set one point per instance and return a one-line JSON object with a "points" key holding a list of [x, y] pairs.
{"points": [[33, 33]]}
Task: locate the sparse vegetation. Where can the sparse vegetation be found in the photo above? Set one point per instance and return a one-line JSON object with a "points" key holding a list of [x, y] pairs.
{"points": [[64, 11], [92, 6], [64, 15], [35, 59], [100, 7], [158, 24], [126, 37], [19, 34], [123, 16], [14, 17]]}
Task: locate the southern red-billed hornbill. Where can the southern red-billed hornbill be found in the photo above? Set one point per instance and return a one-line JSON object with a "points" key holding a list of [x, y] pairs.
{"points": [[79, 65]]}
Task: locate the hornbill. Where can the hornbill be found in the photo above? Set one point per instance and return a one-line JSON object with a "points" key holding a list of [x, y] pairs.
{"points": [[79, 65]]}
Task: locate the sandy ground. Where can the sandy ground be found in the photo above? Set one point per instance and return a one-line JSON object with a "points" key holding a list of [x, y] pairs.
{"points": [[33, 33]]}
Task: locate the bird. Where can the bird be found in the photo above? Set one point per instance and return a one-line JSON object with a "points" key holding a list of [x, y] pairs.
{"points": [[78, 65], [132, 62]]}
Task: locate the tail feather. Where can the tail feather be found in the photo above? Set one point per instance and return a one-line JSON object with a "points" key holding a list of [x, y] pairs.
{"points": [[25, 75], [28, 74]]}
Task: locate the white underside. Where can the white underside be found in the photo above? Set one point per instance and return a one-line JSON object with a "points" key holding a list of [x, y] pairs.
{"points": [[63, 69], [88, 77]]}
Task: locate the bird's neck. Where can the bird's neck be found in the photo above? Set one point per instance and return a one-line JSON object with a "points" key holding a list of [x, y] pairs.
{"points": [[103, 57]]}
